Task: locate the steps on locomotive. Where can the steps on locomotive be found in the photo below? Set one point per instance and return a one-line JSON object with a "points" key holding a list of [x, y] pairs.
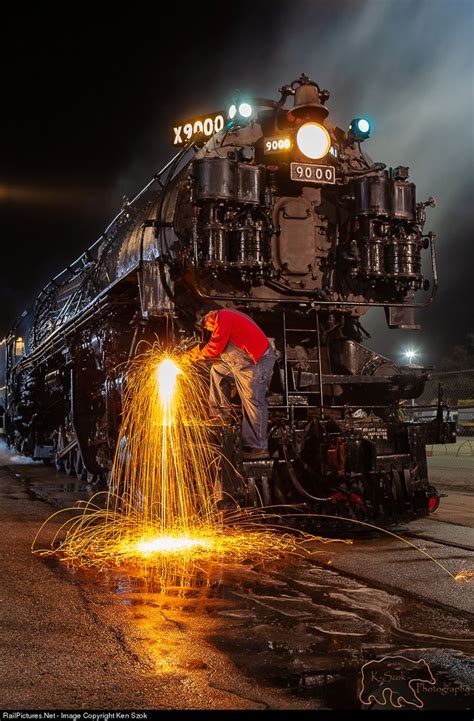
{"points": [[258, 474]]}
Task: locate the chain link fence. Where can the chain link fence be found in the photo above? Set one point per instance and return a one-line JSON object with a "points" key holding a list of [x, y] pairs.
{"points": [[453, 461]]}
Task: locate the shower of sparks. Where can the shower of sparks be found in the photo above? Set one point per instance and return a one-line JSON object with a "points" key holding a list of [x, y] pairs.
{"points": [[165, 484], [167, 460]]}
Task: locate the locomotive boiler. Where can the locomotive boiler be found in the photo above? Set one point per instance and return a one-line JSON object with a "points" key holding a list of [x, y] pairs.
{"points": [[275, 211]]}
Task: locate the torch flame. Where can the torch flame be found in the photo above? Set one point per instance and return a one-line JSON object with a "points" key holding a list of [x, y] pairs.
{"points": [[167, 373]]}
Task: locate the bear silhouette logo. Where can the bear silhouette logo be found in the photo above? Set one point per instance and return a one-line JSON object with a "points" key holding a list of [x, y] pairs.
{"points": [[394, 680]]}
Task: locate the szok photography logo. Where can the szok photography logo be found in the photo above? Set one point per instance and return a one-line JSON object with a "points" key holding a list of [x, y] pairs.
{"points": [[395, 680]]}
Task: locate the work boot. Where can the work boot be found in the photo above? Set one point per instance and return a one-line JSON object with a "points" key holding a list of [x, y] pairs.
{"points": [[255, 454]]}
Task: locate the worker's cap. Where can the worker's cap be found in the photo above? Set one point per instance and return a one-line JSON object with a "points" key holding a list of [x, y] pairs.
{"points": [[201, 315]]}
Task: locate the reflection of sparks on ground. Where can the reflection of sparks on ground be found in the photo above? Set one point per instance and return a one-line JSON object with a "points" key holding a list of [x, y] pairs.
{"points": [[162, 505]]}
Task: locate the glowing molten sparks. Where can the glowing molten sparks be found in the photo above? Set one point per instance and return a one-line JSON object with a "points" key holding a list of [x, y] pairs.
{"points": [[161, 510], [171, 544], [465, 575]]}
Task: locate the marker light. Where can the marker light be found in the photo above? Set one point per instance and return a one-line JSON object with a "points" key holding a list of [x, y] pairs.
{"points": [[359, 129], [313, 140], [363, 125], [245, 110], [232, 111]]}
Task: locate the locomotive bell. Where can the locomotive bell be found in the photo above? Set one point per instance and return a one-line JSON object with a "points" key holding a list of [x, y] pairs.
{"points": [[307, 103]]}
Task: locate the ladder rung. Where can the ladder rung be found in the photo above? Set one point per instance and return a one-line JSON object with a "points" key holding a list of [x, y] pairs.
{"points": [[300, 360], [301, 330], [303, 405], [303, 393]]}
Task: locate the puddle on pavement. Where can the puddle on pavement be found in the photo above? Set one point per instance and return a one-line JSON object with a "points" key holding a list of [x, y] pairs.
{"points": [[60, 491], [296, 626], [303, 628]]}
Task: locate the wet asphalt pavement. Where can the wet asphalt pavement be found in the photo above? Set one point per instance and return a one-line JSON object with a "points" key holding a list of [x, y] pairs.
{"points": [[327, 633]]}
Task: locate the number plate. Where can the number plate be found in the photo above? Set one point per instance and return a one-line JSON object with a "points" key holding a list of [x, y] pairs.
{"points": [[311, 173]]}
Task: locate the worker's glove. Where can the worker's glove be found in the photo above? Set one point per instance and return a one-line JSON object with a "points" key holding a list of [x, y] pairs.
{"points": [[193, 356]]}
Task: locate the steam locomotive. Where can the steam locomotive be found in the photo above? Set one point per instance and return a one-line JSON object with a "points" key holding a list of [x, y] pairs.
{"points": [[275, 211]]}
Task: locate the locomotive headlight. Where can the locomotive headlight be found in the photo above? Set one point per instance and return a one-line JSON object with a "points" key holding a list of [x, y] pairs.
{"points": [[232, 112], [313, 140]]}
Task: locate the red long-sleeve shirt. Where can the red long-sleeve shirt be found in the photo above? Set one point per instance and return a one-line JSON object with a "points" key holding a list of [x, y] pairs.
{"points": [[235, 327]]}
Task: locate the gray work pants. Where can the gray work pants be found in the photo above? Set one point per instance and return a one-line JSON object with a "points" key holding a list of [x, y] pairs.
{"points": [[252, 381]]}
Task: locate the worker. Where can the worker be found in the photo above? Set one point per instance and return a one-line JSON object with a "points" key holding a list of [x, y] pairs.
{"points": [[240, 352]]}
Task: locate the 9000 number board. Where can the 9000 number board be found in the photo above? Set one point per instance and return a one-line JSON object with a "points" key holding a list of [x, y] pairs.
{"points": [[312, 173]]}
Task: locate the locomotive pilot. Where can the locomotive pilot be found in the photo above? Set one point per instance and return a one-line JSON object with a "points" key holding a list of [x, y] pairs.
{"points": [[241, 353]]}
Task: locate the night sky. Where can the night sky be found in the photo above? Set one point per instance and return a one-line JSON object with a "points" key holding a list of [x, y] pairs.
{"points": [[87, 112]]}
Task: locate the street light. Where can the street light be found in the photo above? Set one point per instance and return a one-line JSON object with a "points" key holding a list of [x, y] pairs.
{"points": [[410, 355]]}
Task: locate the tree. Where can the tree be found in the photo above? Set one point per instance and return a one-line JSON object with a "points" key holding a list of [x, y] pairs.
{"points": [[461, 357]]}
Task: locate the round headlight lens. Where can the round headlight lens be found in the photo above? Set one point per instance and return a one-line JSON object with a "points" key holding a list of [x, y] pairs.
{"points": [[313, 140], [232, 111], [363, 125], [245, 110]]}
